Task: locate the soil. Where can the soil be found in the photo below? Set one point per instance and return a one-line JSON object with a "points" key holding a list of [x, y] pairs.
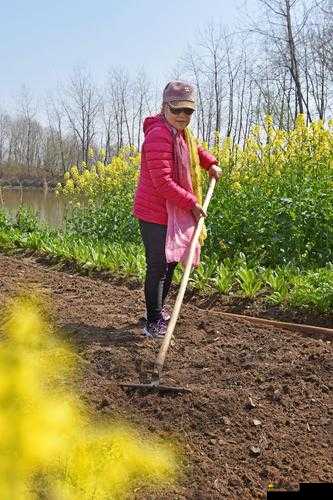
{"points": [[239, 374]]}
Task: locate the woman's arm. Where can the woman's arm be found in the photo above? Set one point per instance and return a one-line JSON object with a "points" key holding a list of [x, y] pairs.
{"points": [[206, 159], [209, 163]]}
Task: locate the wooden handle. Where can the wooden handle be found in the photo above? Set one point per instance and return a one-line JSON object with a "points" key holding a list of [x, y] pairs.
{"points": [[175, 313]]}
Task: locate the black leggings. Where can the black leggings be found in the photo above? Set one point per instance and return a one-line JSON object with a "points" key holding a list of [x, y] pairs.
{"points": [[159, 272]]}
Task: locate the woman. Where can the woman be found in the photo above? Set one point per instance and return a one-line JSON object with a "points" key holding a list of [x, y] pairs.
{"points": [[167, 197]]}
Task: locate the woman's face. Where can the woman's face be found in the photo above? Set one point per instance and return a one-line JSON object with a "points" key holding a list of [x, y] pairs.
{"points": [[178, 121]]}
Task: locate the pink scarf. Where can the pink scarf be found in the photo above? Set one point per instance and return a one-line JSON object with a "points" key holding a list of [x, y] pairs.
{"points": [[181, 223]]}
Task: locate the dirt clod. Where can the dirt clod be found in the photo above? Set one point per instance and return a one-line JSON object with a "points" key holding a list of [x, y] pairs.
{"points": [[277, 395]]}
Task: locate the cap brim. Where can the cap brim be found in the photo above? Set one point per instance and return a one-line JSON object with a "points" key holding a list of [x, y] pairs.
{"points": [[182, 104]]}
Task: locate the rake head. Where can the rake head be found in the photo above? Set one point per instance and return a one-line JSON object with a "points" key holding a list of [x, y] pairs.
{"points": [[156, 387], [152, 384]]}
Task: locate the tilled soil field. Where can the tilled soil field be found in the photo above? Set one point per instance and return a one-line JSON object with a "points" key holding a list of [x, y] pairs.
{"points": [[260, 408]]}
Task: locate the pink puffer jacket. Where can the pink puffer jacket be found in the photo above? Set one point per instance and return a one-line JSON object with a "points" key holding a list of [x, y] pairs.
{"points": [[155, 184]]}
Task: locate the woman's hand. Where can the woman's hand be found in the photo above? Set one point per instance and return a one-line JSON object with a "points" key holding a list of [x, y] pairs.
{"points": [[198, 212], [215, 172]]}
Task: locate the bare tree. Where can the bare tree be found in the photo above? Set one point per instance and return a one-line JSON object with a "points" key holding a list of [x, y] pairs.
{"points": [[108, 121], [27, 125], [81, 103], [190, 63], [234, 63], [285, 26], [5, 121], [56, 134], [141, 89], [117, 89], [213, 61], [319, 44]]}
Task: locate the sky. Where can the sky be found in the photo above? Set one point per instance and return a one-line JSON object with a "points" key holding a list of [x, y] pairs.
{"points": [[41, 41]]}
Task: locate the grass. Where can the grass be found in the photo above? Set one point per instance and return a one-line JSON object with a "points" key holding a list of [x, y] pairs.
{"points": [[287, 286]]}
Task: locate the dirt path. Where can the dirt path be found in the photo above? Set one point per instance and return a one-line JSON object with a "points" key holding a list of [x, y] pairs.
{"points": [[226, 363]]}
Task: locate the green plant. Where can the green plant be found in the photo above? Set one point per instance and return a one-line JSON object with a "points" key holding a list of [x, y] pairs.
{"points": [[202, 277], [313, 290], [278, 282], [224, 278], [4, 221], [27, 219], [249, 281]]}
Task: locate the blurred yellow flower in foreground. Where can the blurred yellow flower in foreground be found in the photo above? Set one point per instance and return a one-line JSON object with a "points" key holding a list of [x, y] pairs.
{"points": [[48, 445]]}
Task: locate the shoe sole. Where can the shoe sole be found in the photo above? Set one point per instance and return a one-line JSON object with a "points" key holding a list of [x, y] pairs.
{"points": [[150, 336]]}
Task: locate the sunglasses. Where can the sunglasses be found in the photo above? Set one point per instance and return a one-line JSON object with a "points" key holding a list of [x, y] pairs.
{"points": [[178, 111]]}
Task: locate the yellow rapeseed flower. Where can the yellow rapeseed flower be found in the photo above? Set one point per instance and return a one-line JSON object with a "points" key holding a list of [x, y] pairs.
{"points": [[45, 431]]}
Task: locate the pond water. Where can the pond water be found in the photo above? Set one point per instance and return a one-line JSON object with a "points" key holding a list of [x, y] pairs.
{"points": [[50, 208]]}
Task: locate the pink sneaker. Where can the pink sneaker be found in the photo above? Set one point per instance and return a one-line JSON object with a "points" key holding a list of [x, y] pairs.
{"points": [[155, 329], [165, 313]]}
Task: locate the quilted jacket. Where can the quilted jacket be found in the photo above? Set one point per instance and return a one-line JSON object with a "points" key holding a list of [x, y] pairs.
{"points": [[156, 184]]}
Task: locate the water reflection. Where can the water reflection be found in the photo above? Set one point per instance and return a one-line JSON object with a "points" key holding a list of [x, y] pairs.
{"points": [[51, 209]]}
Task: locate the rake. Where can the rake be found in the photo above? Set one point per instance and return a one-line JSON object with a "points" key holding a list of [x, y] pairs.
{"points": [[155, 383]]}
